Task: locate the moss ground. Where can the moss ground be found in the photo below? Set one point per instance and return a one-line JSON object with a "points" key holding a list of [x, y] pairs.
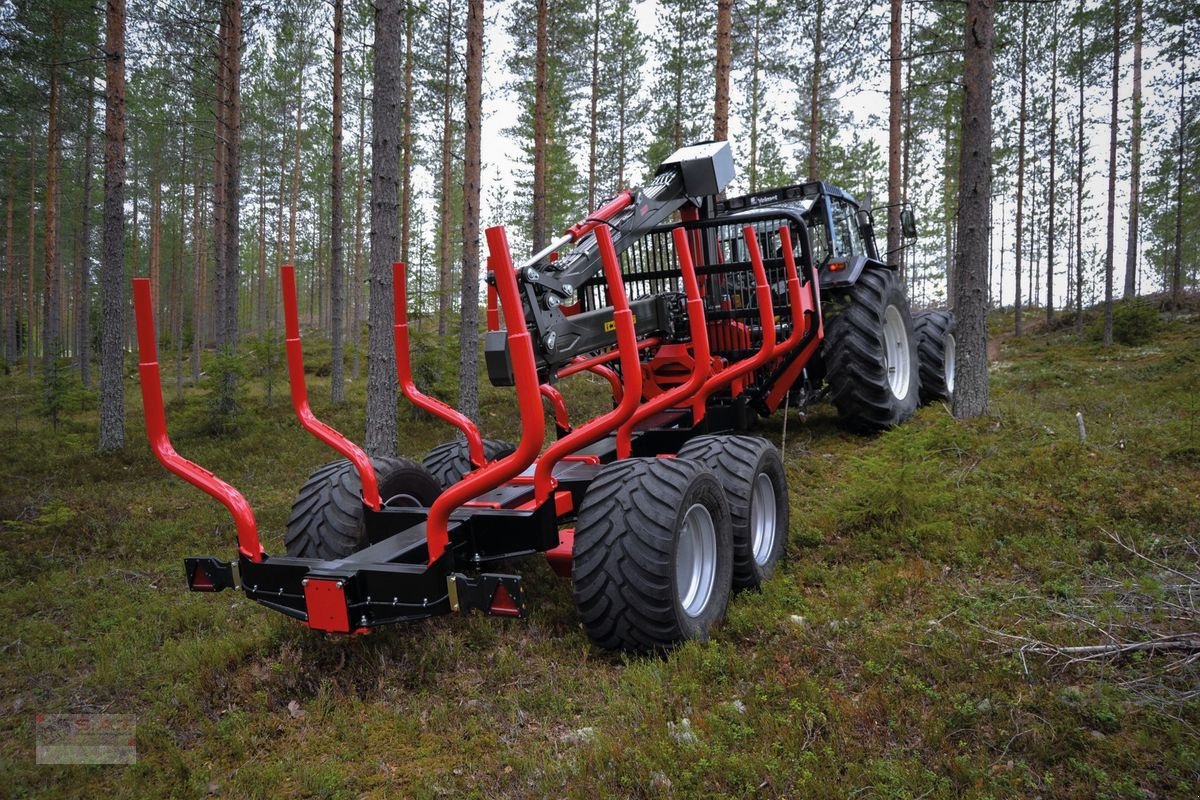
{"points": [[890, 658]]}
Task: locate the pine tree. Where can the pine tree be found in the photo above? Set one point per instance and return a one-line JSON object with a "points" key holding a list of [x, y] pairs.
{"points": [[112, 268]]}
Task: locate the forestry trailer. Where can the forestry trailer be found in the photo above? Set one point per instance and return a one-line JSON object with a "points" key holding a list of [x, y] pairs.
{"points": [[701, 314]]}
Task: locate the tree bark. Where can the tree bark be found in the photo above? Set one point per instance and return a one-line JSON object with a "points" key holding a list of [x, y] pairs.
{"points": [[1052, 191], [337, 379], [975, 189], [895, 99], [1180, 157], [724, 57], [51, 333], [10, 282], [1019, 232], [538, 225], [1110, 235], [468, 331], [31, 294], [593, 122], [1079, 159], [406, 176], [385, 186], [814, 131], [1135, 158], [83, 325], [445, 278], [112, 267], [356, 293], [296, 160]]}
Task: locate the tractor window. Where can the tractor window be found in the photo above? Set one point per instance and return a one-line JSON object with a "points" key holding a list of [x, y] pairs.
{"points": [[818, 238], [846, 232]]}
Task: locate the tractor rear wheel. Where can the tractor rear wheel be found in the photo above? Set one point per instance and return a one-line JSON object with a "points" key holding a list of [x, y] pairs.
{"points": [[935, 354], [653, 554], [327, 517], [869, 353], [751, 472], [451, 461]]}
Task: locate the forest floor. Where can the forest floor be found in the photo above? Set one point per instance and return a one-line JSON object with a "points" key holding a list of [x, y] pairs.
{"points": [[911, 647]]}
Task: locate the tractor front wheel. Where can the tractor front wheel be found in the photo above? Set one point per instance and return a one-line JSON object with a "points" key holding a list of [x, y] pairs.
{"points": [[869, 353], [327, 517], [653, 554], [935, 354]]}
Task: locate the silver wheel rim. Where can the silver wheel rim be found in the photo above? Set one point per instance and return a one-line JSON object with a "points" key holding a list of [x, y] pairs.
{"points": [[948, 354], [895, 352], [402, 500], [762, 519], [696, 560]]}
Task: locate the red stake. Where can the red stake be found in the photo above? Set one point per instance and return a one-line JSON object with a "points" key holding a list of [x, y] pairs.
{"points": [[308, 420], [533, 422], [160, 443], [405, 375]]}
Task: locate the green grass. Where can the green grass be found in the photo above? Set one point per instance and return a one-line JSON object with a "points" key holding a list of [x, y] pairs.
{"points": [[880, 663]]}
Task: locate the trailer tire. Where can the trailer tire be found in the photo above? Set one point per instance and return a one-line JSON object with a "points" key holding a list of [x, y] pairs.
{"points": [[869, 353], [751, 472], [935, 354], [450, 461], [327, 517], [653, 554]]}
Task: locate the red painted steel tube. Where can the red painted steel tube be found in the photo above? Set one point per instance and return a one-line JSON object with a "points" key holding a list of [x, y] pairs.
{"points": [[614, 380], [533, 423], [701, 356], [599, 216], [592, 431], [795, 299], [308, 420], [405, 375], [160, 443], [581, 364], [558, 404], [766, 318]]}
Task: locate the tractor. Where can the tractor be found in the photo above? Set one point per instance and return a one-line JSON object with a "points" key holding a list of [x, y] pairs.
{"points": [[701, 314]]}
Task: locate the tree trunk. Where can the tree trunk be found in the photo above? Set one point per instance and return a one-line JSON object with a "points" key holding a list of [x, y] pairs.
{"points": [[1020, 230], [83, 327], [974, 191], [1135, 158], [445, 278], [356, 293], [337, 379], [385, 180], [1180, 157], [260, 289], [31, 294], [538, 225], [894, 103], [1079, 159], [1052, 191], [227, 188], [593, 122], [1110, 235], [51, 334], [10, 281], [755, 101], [198, 250], [406, 176], [814, 131], [724, 57], [112, 267], [468, 329], [296, 162]]}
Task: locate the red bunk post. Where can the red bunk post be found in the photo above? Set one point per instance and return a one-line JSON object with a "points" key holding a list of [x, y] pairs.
{"points": [[308, 420], [533, 423], [160, 443]]}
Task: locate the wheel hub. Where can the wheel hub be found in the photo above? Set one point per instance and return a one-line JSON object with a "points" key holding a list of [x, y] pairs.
{"points": [[762, 519], [896, 360], [696, 560]]}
